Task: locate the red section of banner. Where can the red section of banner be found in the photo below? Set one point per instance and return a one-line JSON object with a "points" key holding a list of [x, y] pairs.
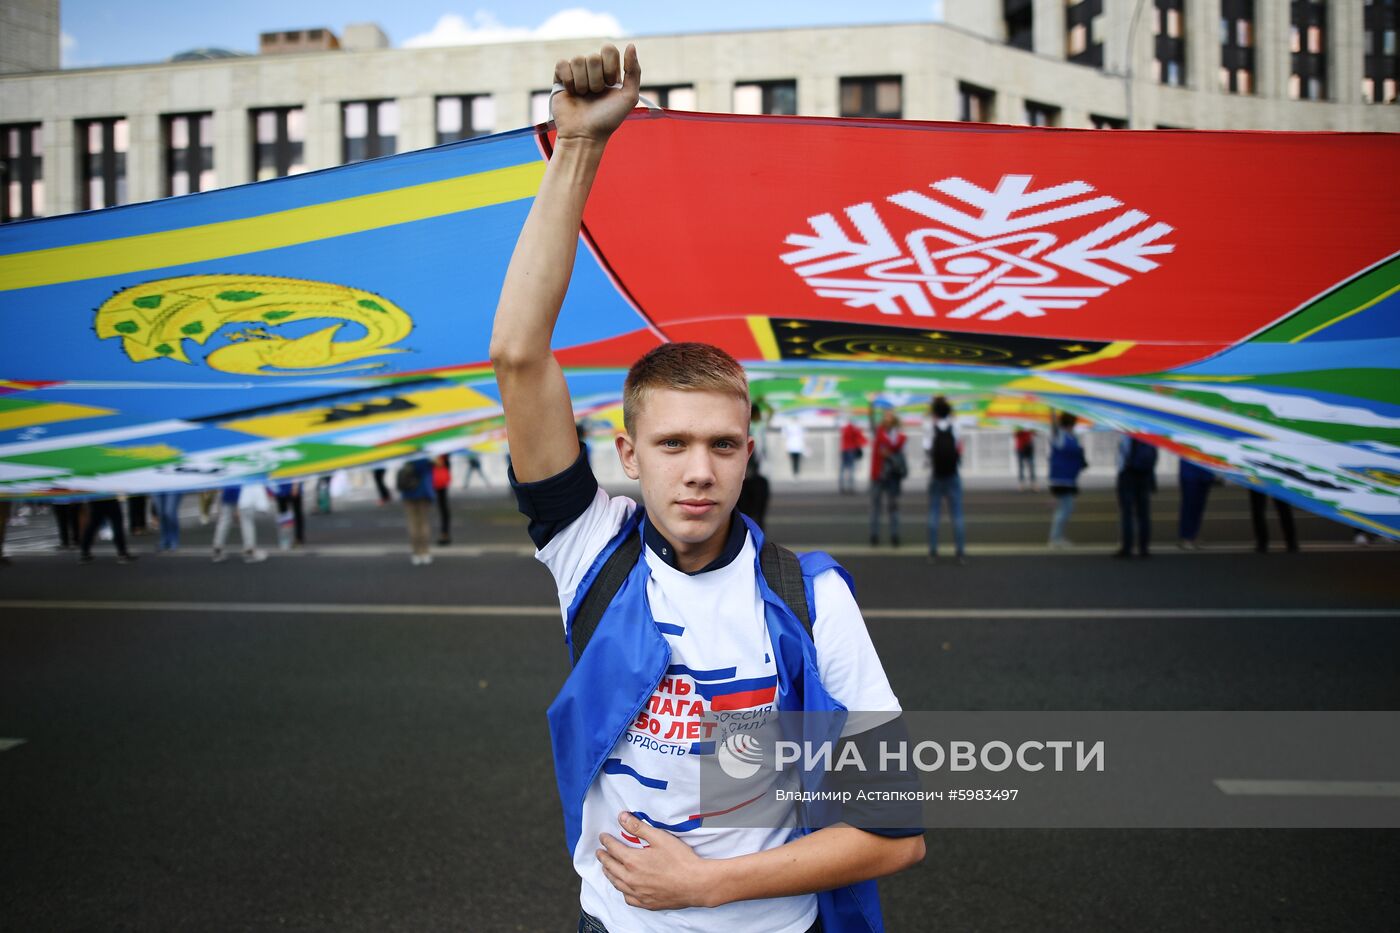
{"points": [[1117, 237], [746, 700]]}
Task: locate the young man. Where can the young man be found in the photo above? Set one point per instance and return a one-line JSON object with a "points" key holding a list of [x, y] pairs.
{"points": [[694, 618]]}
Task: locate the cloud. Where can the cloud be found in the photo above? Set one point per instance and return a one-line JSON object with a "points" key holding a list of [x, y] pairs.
{"points": [[67, 47], [936, 11], [484, 27]]}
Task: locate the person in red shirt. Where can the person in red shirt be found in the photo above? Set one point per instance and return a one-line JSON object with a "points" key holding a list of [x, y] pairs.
{"points": [[852, 449], [887, 471], [1025, 458]]}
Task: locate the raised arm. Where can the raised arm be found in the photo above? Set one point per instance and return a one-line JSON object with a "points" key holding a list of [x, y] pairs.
{"points": [[539, 417]]}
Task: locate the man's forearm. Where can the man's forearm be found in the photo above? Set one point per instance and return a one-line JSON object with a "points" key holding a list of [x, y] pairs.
{"points": [[829, 858], [540, 269]]}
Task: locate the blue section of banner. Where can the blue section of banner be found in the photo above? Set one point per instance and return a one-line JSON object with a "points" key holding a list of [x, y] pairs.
{"points": [[467, 157]]}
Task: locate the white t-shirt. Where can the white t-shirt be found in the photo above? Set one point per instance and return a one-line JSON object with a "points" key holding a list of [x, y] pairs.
{"points": [[721, 658]]}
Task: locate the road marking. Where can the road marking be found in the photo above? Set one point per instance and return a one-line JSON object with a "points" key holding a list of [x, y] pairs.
{"points": [[1310, 788], [896, 615], [7, 744]]}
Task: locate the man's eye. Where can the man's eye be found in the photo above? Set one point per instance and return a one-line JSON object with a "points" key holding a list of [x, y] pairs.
{"points": [[671, 443]]}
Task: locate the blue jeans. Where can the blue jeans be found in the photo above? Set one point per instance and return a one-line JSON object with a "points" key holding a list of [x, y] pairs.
{"points": [[587, 923], [887, 490], [168, 509], [1064, 507], [846, 476], [1193, 509], [938, 490]]}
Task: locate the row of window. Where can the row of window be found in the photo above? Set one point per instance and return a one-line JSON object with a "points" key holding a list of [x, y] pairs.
{"points": [[370, 129], [1307, 44]]}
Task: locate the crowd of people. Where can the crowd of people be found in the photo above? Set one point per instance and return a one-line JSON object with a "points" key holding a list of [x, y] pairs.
{"points": [[422, 485]]}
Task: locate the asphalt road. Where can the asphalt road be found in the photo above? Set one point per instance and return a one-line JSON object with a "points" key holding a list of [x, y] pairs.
{"points": [[337, 740]]}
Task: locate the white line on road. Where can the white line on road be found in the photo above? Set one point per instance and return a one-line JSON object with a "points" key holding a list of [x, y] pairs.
{"points": [[7, 744], [910, 615], [1310, 788]]}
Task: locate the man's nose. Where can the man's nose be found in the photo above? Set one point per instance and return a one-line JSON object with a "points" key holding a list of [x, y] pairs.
{"points": [[699, 468]]}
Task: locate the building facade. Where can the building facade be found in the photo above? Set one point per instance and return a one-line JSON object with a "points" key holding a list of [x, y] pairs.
{"points": [[87, 138]]}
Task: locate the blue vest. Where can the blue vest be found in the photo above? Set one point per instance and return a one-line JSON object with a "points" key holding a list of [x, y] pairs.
{"points": [[626, 658]]}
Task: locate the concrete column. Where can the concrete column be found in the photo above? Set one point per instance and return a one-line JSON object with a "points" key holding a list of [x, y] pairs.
{"points": [[60, 168], [1048, 25], [233, 147], [819, 95], [322, 133], [144, 158], [417, 122], [1128, 50], [1203, 45], [512, 106], [1272, 54], [1345, 51]]}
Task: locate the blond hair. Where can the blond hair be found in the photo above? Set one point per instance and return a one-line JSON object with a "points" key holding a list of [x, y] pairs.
{"points": [[690, 367]]}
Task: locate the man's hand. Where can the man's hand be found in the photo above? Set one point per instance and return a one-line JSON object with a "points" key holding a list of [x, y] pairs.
{"points": [[592, 105], [665, 875]]}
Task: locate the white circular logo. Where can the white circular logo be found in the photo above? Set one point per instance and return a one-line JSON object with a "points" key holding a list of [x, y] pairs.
{"points": [[740, 755]]}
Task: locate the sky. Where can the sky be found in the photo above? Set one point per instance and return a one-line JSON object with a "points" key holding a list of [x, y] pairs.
{"points": [[107, 32]]}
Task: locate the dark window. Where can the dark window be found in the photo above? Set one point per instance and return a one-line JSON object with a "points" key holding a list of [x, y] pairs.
{"points": [[765, 97], [1038, 114], [368, 129], [1237, 46], [1101, 122], [189, 153], [975, 104], [102, 146], [1381, 67], [279, 142], [1020, 31], [671, 96], [21, 171], [1169, 41], [1307, 40], [1084, 32], [464, 116], [872, 97]]}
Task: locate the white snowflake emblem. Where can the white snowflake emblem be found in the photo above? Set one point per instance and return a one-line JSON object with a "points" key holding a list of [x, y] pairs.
{"points": [[993, 261]]}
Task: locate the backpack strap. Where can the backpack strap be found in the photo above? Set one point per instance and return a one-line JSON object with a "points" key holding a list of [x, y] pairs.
{"points": [[600, 594], [784, 575], [780, 568]]}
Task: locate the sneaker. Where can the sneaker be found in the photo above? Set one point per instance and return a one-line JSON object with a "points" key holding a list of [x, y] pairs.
{"points": [[219, 556], [254, 557], [413, 559], [962, 560], [1122, 553], [84, 558], [427, 559], [126, 558]]}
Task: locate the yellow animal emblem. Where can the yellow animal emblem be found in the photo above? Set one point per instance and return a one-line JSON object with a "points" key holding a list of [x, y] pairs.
{"points": [[154, 320]]}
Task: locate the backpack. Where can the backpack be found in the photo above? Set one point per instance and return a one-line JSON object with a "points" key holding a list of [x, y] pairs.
{"points": [[779, 567], [894, 466], [945, 453], [406, 479], [1142, 457]]}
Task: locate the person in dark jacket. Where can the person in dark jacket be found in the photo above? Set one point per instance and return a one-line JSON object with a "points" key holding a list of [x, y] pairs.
{"points": [[1067, 461], [1194, 482], [1137, 480]]}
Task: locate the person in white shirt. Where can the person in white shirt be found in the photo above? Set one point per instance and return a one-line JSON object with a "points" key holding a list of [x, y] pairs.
{"points": [[645, 856], [795, 440]]}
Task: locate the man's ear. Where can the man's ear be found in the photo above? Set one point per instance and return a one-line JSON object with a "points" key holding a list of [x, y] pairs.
{"points": [[627, 454]]}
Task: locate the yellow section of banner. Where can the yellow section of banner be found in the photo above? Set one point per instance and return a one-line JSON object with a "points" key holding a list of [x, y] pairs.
{"points": [[363, 413], [269, 231], [762, 330], [369, 455], [49, 413]]}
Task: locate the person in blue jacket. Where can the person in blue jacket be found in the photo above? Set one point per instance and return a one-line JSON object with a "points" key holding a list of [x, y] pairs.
{"points": [[1067, 461], [694, 628]]}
